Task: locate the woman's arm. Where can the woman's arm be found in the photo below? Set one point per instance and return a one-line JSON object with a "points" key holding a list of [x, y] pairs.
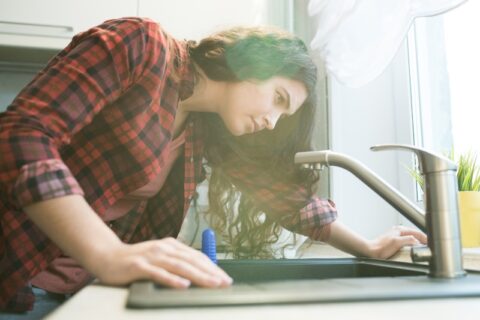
{"points": [[76, 229], [383, 247]]}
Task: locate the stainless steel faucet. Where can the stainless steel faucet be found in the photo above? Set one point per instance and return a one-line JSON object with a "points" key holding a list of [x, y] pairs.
{"points": [[440, 218]]}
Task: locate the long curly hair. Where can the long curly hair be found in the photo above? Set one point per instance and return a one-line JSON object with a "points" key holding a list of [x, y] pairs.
{"points": [[254, 53]]}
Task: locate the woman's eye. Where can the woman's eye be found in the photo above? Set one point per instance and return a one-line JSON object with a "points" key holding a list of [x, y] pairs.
{"points": [[279, 98]]}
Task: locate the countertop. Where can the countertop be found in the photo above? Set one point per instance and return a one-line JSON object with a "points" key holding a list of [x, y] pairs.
{"points": [[103, 302]]}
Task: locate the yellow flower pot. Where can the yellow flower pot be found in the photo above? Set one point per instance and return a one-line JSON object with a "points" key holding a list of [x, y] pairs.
{"points": [[469, 206]]}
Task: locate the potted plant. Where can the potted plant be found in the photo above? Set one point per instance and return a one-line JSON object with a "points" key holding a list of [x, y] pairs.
{"points": [[468, 175]]}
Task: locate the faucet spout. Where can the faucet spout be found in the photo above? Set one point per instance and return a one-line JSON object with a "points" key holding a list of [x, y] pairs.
{"points": [[439, 220], [370, 178]]}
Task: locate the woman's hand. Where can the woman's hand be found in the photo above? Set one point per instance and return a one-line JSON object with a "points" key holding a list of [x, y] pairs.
{"points": [[166, 261], [391, 242], [384, 247], [82, 235]]}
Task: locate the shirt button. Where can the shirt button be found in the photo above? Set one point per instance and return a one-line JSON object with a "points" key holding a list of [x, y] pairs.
{"points": [[191, 159]]}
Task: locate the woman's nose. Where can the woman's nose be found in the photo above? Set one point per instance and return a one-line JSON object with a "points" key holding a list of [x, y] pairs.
{"points": [[271, 120]]}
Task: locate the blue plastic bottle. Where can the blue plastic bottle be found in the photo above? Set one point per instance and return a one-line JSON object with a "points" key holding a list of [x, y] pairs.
{"points": [[209, 246]]}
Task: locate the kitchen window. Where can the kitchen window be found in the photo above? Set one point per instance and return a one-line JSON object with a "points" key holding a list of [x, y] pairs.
{"points": [[444, 58], [443, 64]]}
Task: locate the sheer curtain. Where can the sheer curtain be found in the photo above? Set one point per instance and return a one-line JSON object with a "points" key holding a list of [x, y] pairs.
{"points": [[357, 39]]}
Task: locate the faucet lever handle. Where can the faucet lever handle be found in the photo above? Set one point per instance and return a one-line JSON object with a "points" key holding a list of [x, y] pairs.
{"points": [[428, 161], [420, 253]]}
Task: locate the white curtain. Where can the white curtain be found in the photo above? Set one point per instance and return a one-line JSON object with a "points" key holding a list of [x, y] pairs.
{"points": [[357, 39]]}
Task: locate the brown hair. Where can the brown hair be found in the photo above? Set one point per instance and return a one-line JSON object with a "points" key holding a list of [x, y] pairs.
{"points": [[258, 53]]}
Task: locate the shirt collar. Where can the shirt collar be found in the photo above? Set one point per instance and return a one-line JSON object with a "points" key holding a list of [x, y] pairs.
{"points": [[186, 71]]}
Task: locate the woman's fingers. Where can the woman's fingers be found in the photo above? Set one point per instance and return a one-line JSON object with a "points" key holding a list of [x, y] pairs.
{"points": [[190, 271], [391, 242], [177, 258], [393, 246], [162, 276], [408, 240], [200, 260], [203, 263], [419, 235]]}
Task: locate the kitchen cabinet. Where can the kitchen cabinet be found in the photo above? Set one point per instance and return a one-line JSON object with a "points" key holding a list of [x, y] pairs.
{"points": [[186, 19], [52, 23]]}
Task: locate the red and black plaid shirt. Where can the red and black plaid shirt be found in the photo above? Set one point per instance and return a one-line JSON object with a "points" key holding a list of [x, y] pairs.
{"points": [[96, 122]]}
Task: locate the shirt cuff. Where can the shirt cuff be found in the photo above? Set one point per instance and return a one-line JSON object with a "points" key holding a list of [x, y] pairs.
{"points": [[313, 220], [44, 180], [320, 234], [316, 217]]}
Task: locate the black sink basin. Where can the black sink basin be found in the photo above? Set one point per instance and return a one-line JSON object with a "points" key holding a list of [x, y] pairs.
{"points": [[309, 281], [252, 271]]}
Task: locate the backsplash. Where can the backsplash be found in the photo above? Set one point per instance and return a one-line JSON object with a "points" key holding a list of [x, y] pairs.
{"points": [[12, 79]]}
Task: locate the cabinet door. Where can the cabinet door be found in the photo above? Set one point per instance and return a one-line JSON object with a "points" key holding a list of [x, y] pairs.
{"points": [[187, 19], [21, 20]]}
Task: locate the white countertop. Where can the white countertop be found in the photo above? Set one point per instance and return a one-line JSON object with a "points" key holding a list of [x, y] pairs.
{"points": [[102, 302], [98, 302]]}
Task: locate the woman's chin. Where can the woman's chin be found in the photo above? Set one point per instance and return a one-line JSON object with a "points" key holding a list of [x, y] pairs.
{"points": [[236, 131], [238, 134]]}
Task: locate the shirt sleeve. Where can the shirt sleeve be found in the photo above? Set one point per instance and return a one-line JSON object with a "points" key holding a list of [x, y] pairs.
{"points": [[287, 203], [92, 72]]}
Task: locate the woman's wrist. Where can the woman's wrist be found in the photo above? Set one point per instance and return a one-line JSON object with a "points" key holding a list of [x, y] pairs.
{"points": [[371, 249], [103, 257], [363, 247], [345, 239]]}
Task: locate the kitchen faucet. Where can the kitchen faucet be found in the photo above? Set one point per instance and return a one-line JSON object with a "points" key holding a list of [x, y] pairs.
{"points": [[440, 219]]}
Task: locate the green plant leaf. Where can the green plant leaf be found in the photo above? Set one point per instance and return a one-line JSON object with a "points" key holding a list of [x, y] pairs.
{"points": [[468, 172], [417, 176]]}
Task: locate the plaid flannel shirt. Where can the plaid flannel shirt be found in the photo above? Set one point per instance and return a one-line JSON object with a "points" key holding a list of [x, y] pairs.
{"points": [[95, 122]]}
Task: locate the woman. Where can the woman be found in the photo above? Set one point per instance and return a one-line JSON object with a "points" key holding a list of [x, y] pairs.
{"points": [[102, 151]]}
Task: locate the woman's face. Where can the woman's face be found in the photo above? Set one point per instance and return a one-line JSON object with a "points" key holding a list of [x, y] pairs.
{"points": [[251, 106]]}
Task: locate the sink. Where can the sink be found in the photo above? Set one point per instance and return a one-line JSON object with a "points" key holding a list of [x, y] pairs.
{"points": [[252, 271], [280, 281]]}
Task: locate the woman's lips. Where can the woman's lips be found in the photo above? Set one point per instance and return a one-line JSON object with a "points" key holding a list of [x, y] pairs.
{"points": [[256, 127]]}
